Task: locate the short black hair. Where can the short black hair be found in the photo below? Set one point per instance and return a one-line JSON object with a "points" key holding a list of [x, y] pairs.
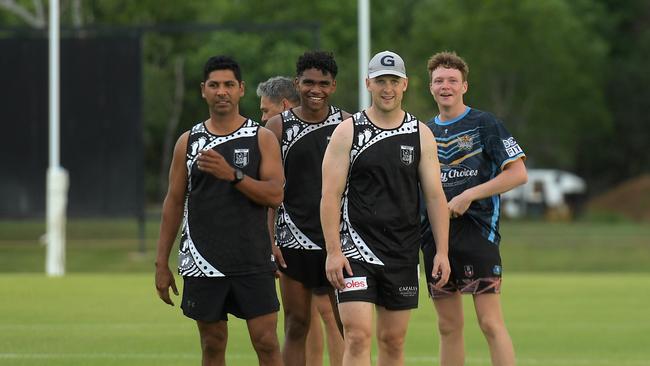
{"points": [[221, 63], [320, 60]]}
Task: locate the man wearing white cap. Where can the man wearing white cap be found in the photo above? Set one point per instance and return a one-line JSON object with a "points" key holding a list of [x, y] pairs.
{"points": [[373, 166]]}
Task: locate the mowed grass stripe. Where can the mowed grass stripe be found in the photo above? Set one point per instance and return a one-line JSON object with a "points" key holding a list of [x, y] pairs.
{"points": [[114, 246], [409, 359], [117, 319]]}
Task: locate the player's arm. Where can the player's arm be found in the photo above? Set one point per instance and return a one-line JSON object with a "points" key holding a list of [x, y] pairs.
{"points": [[436, 202], [172, 214], [513, 174], [274, 124], [268, 190], [265, 191], [336, 164]]}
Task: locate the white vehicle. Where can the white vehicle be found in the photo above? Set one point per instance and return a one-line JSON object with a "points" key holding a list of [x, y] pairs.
{"points": [[551, 193]]}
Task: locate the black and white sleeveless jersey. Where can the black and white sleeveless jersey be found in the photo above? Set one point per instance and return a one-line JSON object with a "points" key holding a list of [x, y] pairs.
{"points": [[303, 147], [224, 232], [380, 213]]}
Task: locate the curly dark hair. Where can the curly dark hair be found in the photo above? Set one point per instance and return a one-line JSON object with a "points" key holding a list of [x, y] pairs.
{"points": [[320, 60], [448, 60], [221, 63]]}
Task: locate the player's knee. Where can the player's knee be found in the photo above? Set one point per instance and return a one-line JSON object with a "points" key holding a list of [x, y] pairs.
{"points": [[213, 344], [490, 327], [391, 342], [357, 341], [265, 342], [449, 326], [297, 327]]}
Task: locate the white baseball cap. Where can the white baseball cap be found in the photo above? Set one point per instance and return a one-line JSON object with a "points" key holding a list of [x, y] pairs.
{"points": [[386, 63]]}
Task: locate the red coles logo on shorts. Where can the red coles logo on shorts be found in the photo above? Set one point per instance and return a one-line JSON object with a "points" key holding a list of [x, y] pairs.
{"points": [[355, 284]]}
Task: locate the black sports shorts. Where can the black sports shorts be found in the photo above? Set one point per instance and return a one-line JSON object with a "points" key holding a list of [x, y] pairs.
{"points": [[305, 266], [391, 286], [210, 299], [475, 261]]}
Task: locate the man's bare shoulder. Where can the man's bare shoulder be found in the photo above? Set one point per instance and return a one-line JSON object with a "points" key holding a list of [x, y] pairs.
{"points": [[274, 124], [345, 115]]}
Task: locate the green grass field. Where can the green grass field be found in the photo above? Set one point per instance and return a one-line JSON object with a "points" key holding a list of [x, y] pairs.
{"points": [[573, 295], [116, 319], [113, 246]]}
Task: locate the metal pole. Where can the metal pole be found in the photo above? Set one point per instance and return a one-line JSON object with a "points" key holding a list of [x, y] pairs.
{"points": [[54, 84], [57, 177], [364, 51]]}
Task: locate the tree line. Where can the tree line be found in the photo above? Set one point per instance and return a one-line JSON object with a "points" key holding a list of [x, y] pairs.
{"points": [[568, 77]]}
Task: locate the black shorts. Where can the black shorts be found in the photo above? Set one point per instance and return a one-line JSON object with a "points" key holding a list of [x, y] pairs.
{"points": [[305, 266], [324, 290], [393, 287], [210, 299], [475, 261]]}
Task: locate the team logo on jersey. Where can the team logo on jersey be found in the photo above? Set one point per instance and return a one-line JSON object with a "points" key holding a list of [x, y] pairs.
{"points": [[469, 270], [465, 142], [512, 147], [407, 154], [241, 157]]}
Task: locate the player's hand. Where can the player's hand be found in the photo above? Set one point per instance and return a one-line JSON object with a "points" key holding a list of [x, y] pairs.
{"points": [[334, 265], [441, 271], [165, 280], [459, 205], [279, 259], [211, 162]]}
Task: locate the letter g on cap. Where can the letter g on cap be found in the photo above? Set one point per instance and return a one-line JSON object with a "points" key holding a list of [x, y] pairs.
{"points": [[387, 60]]}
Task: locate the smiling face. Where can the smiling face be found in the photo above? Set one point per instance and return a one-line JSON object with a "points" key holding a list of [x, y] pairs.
{"points": [[222, 91], [387, 91], [314, 88], [448, 87]]}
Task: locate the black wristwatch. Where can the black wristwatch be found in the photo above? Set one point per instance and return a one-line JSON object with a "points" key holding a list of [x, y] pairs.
{"points": [[239, 175]]}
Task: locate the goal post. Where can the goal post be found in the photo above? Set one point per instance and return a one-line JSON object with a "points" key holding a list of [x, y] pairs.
{"points": [[57, 177], [57, 202]]}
